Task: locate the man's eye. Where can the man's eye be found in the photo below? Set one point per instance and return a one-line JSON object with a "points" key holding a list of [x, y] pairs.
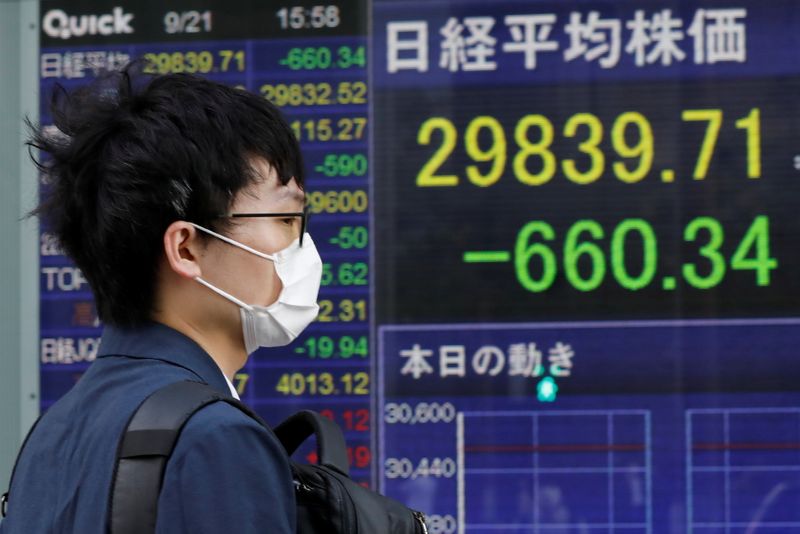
{"points": [[289, 221]]}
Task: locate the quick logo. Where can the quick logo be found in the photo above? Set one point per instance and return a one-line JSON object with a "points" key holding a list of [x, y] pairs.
{"points": [[57, 24]]}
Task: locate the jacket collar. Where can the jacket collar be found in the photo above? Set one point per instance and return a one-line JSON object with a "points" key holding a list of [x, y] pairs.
{"points": [[160, 342]]}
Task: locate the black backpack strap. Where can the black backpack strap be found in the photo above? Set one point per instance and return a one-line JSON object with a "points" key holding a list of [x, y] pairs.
{"points": [[331, 446], [5, 497], [145, 447]]}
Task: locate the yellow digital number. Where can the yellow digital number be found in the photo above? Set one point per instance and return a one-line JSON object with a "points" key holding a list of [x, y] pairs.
{"points": [[150, 64], [297, 384], [346, 310], [356, 383], [158, 63], [338, 201], [351, 128], [427, 176], [589, 147], [228, 56], [178, 62], [325, 314], [541, 148], [318, 95], [496, 152], [314, 130], [325, 385], [320, 130], [352, 310], [288, 384], [714, 119], [361, 125], [202, 62], [240, 381], [643, 149], [351, 93], [752, 123], [190, 61], [295, 94]]}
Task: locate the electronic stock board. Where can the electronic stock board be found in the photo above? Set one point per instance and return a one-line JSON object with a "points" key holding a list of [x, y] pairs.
{"points": [[558, 239], [274, 51]]}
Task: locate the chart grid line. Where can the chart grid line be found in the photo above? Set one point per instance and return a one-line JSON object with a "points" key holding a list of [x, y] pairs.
{"points": [[726, 425], [689, 473], [751, 434], [610, 440], [648, 439], [536, 471], [471, 453], [460, 497]]}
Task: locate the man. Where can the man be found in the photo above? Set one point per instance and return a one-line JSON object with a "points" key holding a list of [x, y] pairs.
{"points": [[181, 200]]}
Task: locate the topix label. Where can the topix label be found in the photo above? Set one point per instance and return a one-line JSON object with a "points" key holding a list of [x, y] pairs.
{"points": [[63, 279], [59, 25]]}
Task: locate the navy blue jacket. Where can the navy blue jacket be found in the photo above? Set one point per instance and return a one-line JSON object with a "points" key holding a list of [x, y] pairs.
{"points": [[226, 474]]}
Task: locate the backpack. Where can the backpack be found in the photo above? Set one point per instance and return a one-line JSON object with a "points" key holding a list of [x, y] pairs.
{"points": [[328, 501]]}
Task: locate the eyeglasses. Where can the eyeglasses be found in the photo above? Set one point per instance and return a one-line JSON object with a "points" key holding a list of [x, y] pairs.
{"points": [[302, 214]]}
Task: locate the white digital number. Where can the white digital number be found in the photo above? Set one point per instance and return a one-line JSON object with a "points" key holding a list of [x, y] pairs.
{"points": [[187, 22], [425, 468], [316, 17], [424, 412]]}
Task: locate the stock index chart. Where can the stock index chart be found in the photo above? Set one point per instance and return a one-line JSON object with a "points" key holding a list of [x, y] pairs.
{"points": [[559, 244], [584, 254]]}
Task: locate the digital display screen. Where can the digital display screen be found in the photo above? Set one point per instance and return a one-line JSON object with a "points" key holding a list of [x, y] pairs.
{"points": [[558, 239], [584, 240], [311, 61]]}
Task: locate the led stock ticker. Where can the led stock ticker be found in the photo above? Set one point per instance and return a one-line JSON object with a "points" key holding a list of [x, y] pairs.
{"points": [[590, 253], [310, 62], [632, 140], [538, 256], [585, 242]]}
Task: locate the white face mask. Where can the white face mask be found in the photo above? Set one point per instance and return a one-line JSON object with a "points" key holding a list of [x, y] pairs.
{"points": [[300, 271]]}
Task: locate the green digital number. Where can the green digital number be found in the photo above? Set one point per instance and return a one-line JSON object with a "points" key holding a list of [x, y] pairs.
{"points": [[649, 259], [349, 57], [573, 251], [710, 251], [585, 259], [326, 347], [753, 251], [343, 165], [309, 58], [351, 237], [350, 346], [345, 274], [525, 252], [327, 274]]}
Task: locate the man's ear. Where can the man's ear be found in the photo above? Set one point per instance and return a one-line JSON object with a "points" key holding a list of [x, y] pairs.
{"points": [[182, 248]]}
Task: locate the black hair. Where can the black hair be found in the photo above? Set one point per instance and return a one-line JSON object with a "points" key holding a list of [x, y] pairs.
{"points": [[129, 154]]}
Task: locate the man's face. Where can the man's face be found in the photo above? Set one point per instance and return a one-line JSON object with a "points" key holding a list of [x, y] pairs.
{"points": [[244, 275]]}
